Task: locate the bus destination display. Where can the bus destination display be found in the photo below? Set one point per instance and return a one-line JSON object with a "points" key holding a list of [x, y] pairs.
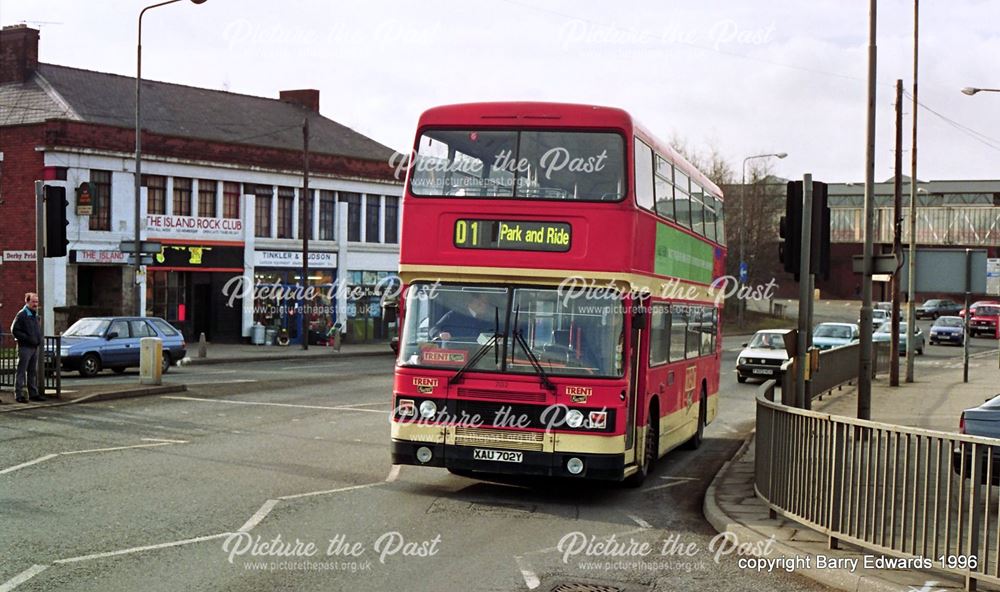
{"points": [[512, 235]]}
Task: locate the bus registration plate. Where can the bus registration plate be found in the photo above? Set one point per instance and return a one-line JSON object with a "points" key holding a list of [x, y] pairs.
{"points": [[497, 455]]}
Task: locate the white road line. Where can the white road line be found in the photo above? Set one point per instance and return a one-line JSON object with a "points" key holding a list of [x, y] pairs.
{"points": [[642, 523], [324, 492], [617, 535], [291, 405], [164, 440], [22, 577], [530, 579], [673, 481], [393, 473], [366, 404], [260, 515], [40, 459], [145, 548], [28, 464]]}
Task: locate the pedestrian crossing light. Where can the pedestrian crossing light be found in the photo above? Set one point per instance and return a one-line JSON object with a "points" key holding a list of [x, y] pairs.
{"points": [[55, 221]]}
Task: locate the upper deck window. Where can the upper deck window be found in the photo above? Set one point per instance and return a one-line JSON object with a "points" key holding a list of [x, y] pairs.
{"points": [[530, 164]]}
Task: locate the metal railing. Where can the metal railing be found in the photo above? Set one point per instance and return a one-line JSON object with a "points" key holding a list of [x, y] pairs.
{"points": [[837, 366], [939, 225], [904, 492], [53, 363]]}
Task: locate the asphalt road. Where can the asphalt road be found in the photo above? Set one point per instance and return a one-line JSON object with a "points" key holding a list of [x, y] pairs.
{"points": [[226, 486]]}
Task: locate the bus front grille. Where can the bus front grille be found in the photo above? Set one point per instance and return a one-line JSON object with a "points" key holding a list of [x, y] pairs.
{"points": [[524, 397], [495, 438]]}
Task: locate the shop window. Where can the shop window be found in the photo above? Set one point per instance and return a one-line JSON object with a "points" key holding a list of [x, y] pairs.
{"points": [[391, 220], [230, 200], [206, 198], [182, 196], [100, 217], [327, 216], [156, 194], [286, 199]]}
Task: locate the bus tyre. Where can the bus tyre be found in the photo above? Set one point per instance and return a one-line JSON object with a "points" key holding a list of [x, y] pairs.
{"points": [[649, 451], [699, 435]]}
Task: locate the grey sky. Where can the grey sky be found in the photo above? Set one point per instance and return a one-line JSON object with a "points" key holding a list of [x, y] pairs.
{"points": [[747, 77]]}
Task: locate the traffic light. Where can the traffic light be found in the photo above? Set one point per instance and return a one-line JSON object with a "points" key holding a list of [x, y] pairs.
{"points": [[55, 221], [790, 229], [819, 252]]}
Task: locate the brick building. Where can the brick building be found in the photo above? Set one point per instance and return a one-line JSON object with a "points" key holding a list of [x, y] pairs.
{"points": [[221, 190]]}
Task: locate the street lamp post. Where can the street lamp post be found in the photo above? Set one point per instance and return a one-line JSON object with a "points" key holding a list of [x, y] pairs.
{"points": [[969, 90], [137, 253], [743, 204]]}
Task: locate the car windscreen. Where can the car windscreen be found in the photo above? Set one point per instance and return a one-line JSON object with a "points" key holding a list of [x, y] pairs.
{"points": [[948, 322], [987, 311], [87, 328], [767, 341], [832, 331]]}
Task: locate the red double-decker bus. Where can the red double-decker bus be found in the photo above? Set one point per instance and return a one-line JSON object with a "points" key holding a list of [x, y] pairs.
{"points": [[557, 314]]}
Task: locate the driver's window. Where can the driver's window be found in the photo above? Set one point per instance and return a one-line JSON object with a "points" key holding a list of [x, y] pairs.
{"points": [[119, 327]]}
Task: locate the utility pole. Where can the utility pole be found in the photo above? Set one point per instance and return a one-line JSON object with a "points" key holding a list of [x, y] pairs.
{"points": [[911, 301], [305, 225], [865, 361], [40, 280], [897, 205]]}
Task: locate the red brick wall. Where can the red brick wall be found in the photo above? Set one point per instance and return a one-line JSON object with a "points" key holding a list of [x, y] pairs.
{"points": [[21, 166]]}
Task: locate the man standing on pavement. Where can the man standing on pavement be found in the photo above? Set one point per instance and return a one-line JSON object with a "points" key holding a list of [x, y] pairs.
{"points": [[28, 333]]}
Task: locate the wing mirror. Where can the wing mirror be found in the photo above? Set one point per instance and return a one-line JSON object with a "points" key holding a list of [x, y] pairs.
{"points": [[112, 335]]}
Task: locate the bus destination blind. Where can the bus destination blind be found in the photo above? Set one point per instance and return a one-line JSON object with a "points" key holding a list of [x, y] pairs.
{"points": [[512, 235]]}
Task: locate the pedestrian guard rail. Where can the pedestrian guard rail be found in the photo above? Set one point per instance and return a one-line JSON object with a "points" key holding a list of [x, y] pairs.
{"points": [[926, 497], [53, 363]]}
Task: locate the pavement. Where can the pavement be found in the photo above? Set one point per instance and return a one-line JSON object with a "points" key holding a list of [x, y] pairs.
{"points": [[218, 353], [934, 401]]}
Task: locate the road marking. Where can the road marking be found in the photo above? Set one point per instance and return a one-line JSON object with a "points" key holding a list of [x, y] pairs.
{"points": [[28, 464], [393, 473], [155, 443], [530, 579], [326, 491], [260, 515], [233, 381], [642, 523], [22, 577], [675, 481], [144, 548], [291, 405], [165, 440]]}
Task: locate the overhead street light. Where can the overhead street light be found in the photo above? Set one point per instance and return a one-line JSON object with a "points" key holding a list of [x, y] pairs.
{"points": [[969, 90], [743, 203], [137, 289]]}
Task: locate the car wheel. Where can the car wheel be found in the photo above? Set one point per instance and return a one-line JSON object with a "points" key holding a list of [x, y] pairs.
{"points": [[90, 365], [649, 453], [165, 364], [740, 378]]}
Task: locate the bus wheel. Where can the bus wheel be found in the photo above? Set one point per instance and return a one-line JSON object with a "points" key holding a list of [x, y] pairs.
{"points": [[649, 451], [699, 436]]}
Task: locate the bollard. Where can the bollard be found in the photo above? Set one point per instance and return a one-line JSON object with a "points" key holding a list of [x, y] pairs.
{"points": [[202, 346], [150, 361]]}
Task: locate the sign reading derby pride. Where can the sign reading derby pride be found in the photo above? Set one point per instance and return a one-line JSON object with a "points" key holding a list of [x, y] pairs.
{"points": [[158, 225], [293, 259]]}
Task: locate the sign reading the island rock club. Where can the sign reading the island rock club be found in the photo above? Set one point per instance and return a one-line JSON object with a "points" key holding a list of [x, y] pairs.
{"points": [[158, 225]]}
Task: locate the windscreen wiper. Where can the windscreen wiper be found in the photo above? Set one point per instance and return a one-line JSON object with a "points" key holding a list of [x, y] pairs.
{"points": [[482, 350], [519, 339]]}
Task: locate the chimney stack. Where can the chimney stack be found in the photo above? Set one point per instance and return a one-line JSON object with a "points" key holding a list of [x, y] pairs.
{"points": [[308, 98], [18, 53]]}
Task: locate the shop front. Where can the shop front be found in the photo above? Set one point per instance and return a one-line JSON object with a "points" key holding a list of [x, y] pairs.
{"points": [[290, 308], [191, 286]]}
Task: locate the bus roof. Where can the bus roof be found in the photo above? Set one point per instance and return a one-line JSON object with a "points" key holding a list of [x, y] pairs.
{"points": [[541, 114]]}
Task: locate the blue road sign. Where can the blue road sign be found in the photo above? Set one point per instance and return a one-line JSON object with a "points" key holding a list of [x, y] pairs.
{"points": [[744, 272]]}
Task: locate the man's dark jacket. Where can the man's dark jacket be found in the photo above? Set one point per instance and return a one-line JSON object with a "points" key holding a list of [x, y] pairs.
{"points": [[26, 329]]}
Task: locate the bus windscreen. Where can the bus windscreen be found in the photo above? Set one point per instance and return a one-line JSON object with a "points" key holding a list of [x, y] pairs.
{"points": [[527, 164]]}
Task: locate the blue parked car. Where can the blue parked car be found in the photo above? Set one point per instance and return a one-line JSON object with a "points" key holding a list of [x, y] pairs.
{"points": [[948, 330], [830, 335], [95, 343]]}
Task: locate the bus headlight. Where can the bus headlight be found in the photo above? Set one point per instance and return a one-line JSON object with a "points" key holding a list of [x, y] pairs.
{"points": [[574, 466], [428, 409], [574, 418]]}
